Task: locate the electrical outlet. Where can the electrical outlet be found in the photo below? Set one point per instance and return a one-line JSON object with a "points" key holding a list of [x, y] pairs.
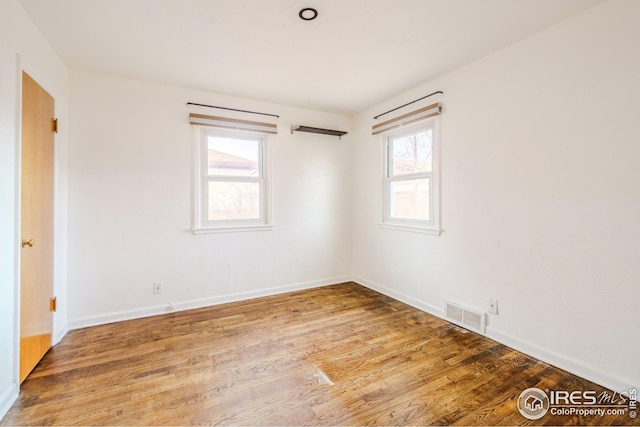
{"points": [[493, 306], [157, 288]]}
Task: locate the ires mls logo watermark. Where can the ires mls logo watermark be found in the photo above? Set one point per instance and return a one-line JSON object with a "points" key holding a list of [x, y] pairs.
{"points": [[534, 403]]}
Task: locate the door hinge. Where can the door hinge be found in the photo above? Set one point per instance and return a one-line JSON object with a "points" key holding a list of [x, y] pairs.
{"points": [[54, 125], [53, 304]]}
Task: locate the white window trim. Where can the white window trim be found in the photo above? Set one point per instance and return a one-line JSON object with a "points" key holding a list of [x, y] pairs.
{"points": [[416, 226], [200, 179]]}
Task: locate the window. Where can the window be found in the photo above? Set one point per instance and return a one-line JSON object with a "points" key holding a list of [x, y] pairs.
{"points": [[411, 196], [230, 182]]}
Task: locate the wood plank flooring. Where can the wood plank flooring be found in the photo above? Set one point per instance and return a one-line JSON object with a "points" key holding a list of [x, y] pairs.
{"points": [[337, 355]]}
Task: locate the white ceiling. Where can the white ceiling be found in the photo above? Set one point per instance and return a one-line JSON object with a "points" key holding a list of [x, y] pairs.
{"points": [[354, 55]]}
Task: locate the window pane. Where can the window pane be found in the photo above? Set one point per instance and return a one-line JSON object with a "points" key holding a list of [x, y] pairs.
{"points": [[233, 157], [410, 199], [233, 200], [412, 153]]}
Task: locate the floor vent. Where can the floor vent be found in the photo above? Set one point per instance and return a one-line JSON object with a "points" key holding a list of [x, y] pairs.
{"points": [[465, 317]]}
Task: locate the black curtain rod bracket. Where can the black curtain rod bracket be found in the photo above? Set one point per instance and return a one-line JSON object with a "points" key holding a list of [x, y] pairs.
{"points": [[408, 103], [234, 109]]}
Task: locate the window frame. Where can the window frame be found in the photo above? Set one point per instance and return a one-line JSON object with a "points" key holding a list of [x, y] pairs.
{"points": [[201, 223], [432, 226]]}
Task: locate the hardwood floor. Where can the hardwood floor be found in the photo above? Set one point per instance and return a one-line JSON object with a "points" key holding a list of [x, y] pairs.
{"points": [[337, 355]]}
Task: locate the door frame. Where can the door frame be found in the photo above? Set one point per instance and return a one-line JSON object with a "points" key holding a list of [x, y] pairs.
{"points": [[18, 223]]}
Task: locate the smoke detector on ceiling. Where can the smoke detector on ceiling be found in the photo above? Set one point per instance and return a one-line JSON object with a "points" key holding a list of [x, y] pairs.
{"points": [[308, 14]]}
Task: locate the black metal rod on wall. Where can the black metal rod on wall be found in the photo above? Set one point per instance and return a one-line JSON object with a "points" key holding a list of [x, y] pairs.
{"points": [[408, 103], [234, 109]]}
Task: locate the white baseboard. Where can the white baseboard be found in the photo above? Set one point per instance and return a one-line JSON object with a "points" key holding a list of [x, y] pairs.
{"points": [[572, 366], [59, 334], [8, 396], [575, 367], [420, 305], [120, 316]]}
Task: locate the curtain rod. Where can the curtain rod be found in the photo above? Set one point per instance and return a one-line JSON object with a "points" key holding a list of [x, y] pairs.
{"points": [[408, 103], [234, 109]]}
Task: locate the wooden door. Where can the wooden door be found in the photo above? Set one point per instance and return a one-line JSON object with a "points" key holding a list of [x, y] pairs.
{"points": [[36, 225]]}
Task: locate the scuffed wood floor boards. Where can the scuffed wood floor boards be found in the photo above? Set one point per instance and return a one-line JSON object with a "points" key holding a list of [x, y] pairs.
{"points": [[336, 355]]}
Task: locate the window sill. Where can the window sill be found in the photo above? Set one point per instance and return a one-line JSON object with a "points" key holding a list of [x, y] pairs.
{"points": [[411, 229], [231, 229]]}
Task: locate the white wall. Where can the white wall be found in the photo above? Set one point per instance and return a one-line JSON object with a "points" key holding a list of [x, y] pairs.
{"points": [[540, 199], [22, 46], [130, 204], [8, 239]]}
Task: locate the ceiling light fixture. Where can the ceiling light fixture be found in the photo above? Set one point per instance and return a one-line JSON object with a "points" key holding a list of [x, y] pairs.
{"points": [[308, 14]]}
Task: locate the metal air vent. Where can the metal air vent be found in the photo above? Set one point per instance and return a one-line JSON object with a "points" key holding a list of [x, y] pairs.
{"points": [[466, 317]]}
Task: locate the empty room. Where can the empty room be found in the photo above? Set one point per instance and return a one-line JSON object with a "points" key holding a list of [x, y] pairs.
{"points": [[288, 212]]}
